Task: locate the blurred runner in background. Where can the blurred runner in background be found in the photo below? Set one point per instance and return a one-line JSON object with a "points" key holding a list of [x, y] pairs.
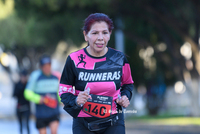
{"points": [[23, 106], [42, 89]]}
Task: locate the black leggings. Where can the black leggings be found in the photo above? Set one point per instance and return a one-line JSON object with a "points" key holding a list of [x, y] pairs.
{"points": [[118, 128], [25, 115]]}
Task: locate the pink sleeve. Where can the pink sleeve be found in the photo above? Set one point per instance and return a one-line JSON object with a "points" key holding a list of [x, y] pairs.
{"points": [[67, 89], [126, 75]]}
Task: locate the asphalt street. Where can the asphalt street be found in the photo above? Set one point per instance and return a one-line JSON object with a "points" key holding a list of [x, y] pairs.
{"points": [[142, 128], [11, 126]]}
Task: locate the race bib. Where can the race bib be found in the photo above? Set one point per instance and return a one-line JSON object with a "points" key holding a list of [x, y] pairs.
{"points": [[99, 106]]}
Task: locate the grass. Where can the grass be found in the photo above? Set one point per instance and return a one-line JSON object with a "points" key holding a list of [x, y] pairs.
{"points": [[166, 120]]}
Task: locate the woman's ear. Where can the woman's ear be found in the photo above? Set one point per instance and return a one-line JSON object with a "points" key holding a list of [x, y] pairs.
{"points": [[85, 35]]}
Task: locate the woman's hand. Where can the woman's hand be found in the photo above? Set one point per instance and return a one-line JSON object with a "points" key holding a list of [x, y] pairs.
{"points": [[124, 102], [82, 98]]}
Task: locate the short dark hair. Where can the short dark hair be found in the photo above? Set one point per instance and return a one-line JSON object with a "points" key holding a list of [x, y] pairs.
{"points": [[97, 17]]}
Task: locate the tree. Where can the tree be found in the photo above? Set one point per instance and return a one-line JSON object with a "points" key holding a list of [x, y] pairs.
{"points": [[147, 23]]}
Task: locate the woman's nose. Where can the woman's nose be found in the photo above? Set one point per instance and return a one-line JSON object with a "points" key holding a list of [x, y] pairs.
{"points": [[100, 36]]}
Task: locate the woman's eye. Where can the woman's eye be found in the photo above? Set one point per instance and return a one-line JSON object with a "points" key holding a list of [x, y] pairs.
{"points": [[105, 32], [94, 33]]}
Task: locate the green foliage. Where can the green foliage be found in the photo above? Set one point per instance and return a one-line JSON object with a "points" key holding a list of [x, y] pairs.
{"points": [[11, 30], [23, 32]]}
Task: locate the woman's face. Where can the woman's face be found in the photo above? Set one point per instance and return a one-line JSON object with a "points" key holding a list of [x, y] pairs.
{"points": [[98, 37]]}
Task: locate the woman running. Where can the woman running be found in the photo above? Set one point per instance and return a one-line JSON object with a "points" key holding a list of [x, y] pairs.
{"points": [[94, 93]]}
